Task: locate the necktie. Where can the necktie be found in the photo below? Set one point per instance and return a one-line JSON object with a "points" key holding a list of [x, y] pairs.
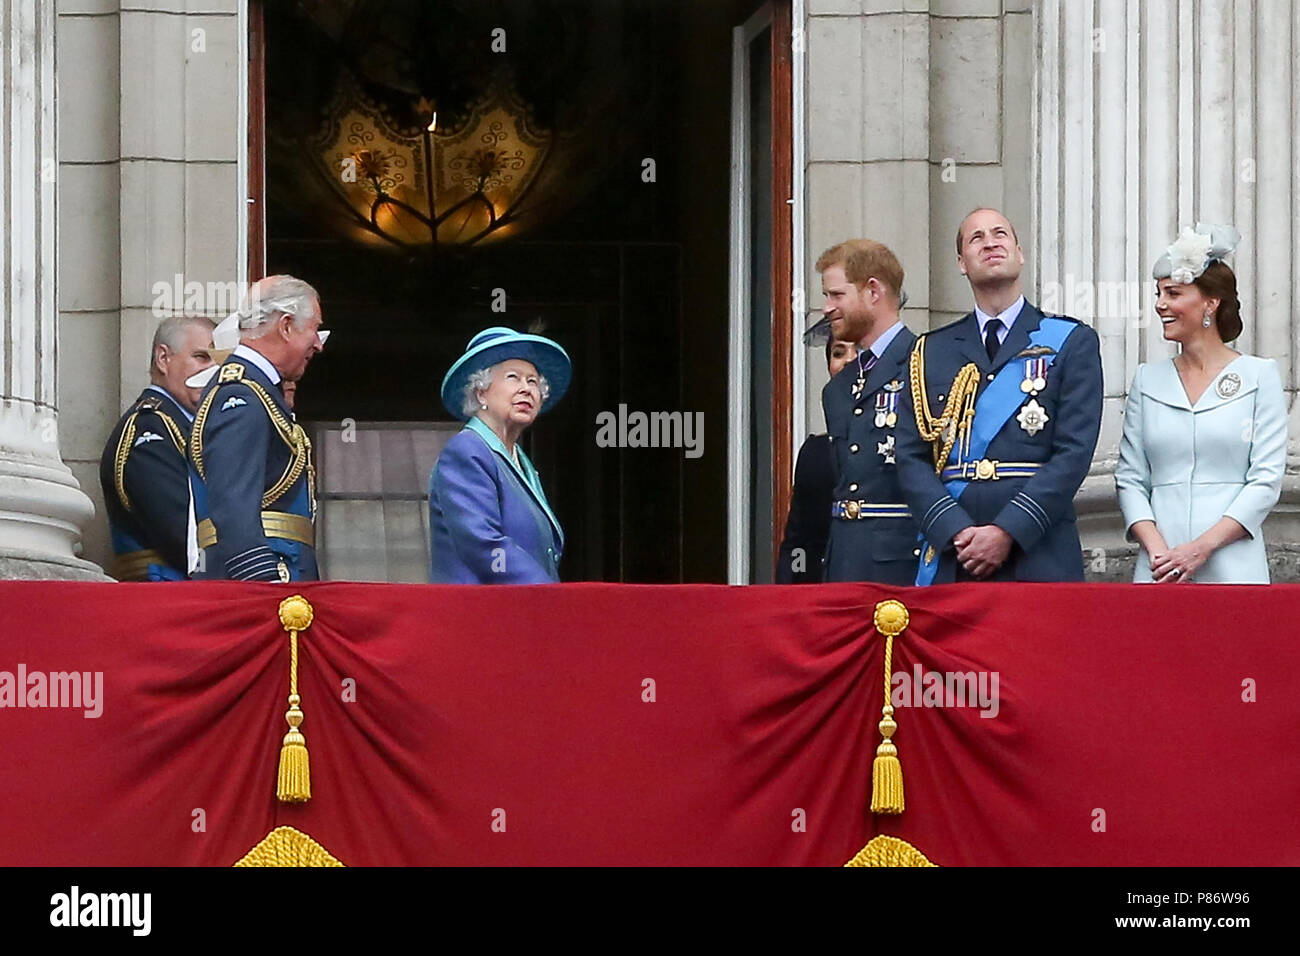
{"points": [[991, 343]]}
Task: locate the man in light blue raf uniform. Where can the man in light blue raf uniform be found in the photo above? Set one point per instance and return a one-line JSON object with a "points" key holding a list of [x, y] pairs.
{"points": [[998, 426], [250, 464], [143, 469]]}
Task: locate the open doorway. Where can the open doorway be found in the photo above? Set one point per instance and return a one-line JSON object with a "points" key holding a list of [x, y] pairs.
{"points": [[597, 134]]}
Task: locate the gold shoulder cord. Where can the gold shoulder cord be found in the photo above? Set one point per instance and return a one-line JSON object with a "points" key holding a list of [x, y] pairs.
{"points": [[283, 427], [119, 459], [125, 444], [958, 412]]}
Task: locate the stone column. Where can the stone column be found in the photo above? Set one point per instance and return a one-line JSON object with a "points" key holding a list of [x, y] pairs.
{"points": [[41, 507], [1150, 116]]}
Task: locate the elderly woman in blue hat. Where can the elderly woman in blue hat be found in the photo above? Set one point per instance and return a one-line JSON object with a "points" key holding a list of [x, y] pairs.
{"points": [[489, 520]]}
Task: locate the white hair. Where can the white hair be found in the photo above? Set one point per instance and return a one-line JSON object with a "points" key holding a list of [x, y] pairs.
{"points": [[479, 382], [280, 295]]}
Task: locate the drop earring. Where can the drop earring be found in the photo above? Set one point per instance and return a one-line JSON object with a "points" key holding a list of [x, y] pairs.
{"points": [[1206, 321], [484, 407]]}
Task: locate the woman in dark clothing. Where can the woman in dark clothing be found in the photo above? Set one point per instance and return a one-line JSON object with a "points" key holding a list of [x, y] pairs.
{"points": [[809, 524]]}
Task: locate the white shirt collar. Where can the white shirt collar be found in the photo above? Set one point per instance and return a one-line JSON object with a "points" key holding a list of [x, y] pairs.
{"points": [[1006, 318], [878, 347], [258, 359], [162, 391]]}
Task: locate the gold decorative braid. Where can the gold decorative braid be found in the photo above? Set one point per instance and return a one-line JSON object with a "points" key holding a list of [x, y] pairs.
{"points": [[891, 620], [290, 433], [300, 434], [293, 782], [958, 411], [119, 459], [126, 442], [889, 851], [285, 846]]}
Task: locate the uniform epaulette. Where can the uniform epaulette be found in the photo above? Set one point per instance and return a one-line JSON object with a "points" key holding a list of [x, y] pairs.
{"points": [[231, 372], [150, 403]]}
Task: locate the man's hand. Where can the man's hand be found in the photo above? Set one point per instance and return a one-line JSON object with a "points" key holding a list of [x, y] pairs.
{"points": [[982, 549]]}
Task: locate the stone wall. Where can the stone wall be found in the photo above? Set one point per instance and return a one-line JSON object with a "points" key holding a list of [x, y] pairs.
{"points": [[1099, 129], [149, 189]]}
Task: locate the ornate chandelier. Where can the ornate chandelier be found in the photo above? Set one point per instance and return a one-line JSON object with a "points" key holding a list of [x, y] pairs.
{"points": [[458, 181]]}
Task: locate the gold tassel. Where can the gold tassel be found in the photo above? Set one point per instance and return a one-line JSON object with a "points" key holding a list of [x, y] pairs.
{"points": [[886, 772], [293, 782]]}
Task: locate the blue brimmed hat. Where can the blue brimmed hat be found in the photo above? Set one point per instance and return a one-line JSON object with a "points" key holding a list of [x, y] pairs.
{"points": [[499, 344]]}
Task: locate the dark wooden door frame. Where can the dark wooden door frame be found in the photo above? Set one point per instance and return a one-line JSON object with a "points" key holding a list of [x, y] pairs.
{"points": [[783, 327]]}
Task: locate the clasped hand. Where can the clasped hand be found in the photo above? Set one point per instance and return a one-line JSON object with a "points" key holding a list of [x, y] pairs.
{"points": [[981, 549], [1177, 565]]}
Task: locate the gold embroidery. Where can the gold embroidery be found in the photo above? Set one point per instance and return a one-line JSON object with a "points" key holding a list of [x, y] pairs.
{"points": [[126, 443], [958, 413], [889, 851], [290, 433], [285, 846]]}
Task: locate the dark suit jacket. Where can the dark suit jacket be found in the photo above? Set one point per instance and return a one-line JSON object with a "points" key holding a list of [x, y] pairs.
{"points": [[869, 549], [155, 481], [1038, 511], [809, 523], [243, 458]]}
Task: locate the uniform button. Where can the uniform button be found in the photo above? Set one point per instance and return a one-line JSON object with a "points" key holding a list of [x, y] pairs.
{"points": [[853, 487], [941, 398], [853, 449], [916, 553], [990, 376], [857, 411]]}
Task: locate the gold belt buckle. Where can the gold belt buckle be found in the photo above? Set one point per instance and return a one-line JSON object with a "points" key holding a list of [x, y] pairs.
{"points": [[986, 470], [852, 509]]}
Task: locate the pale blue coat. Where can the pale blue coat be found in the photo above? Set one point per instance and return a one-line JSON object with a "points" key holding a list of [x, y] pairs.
{"points": [[1186, 466]]}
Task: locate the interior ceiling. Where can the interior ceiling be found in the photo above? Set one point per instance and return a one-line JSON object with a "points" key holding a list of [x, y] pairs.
{"points": [[364, 74]]}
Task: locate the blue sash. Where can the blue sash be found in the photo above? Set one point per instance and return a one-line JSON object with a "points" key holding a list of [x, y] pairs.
{"points": [[993, 410]]}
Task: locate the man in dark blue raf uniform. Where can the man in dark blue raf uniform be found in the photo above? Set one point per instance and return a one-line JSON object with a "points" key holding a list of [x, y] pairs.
{"points": [[143, 469], [998, 426], [872, 534], [250, 464]]}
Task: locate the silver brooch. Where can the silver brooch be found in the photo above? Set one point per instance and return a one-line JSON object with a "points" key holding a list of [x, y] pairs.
{"points": [[1229, 385], [1032, 417]]}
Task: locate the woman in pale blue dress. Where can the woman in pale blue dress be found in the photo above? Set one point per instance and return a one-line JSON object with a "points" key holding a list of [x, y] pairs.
{"points": [[1204, 445]]}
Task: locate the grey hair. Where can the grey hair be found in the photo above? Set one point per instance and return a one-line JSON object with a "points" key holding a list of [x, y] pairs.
{"points": [[480, 380], [281, 295], [171, 333]]}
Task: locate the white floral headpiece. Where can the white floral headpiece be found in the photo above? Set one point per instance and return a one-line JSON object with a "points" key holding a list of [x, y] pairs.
{"points": [[1194, 250]]}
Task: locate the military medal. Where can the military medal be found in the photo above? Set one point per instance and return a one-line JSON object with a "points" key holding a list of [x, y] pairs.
{"points": [[859, 385], [1229, 385], [886, 403], [1032, 417], [1035, 376], [885, 449]]}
